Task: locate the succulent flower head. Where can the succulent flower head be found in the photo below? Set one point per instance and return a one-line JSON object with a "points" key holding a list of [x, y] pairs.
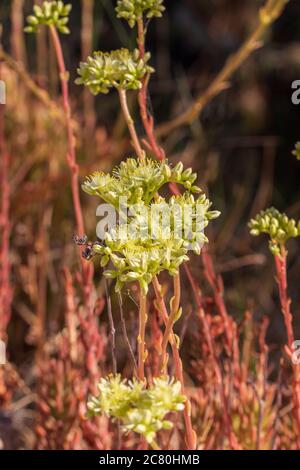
{"points": [[156, 234], [277, 225], [116, 69], [49, 13], [139, 409], [138, 181], [133, 10]]}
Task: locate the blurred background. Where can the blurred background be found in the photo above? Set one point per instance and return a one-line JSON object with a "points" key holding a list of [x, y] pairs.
{"points": [[241, 148]]}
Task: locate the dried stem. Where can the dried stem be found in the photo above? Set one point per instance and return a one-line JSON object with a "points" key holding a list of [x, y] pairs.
{"points": [[5, 226], [169, 327], [71, 155], [191, 438], [216, 283], [142, 354], [130, 124], [17, 39], [87, 17], [217, 370], [267, 15], [37, 91]]}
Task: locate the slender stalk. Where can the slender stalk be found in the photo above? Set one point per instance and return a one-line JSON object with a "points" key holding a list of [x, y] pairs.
{"points": [[216, 284], [71, 155], [17, 34], [281, 271], [217, 370], [267, 15], [148, 121], [87, 9], [5, 226], [124, 329], [142, 354], [191, 438], [170, 323], [130, 124], [154, 445], [112, 328]]}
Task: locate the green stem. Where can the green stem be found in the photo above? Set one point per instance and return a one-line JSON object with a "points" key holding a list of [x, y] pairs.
{"points": [[130, 124]]}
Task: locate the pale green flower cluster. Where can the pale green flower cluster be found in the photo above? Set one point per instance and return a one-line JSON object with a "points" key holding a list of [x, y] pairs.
{"points": [[49, 13], [138, 181], [133, 10], [116, 69], [139, 409], [151, 244], [277, 225]]}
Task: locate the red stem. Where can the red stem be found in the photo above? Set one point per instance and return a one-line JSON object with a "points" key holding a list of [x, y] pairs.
{"points": [[71, 155], [285, 301], [216, 283], [5, 287]]}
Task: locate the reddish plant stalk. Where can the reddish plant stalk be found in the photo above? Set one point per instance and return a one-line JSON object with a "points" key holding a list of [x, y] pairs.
{"points": [[148, 121], [217, 370], [191, 438], [5, 287], [216, 283], [87, 9], [285, 301], [71, 155]]}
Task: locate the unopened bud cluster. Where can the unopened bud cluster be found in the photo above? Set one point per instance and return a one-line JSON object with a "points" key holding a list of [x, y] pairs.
{"points": [[49, 13], [116, 69], [277, 225], [133, 10]]}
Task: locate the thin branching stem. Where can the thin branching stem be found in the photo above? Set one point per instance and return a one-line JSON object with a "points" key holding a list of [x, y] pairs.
{"points": [[130, 124], [169, 327], [124, 329], [112, 328], [142, 354]]}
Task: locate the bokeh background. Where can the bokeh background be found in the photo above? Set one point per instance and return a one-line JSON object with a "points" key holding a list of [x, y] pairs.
{"points": [[241, 148]]}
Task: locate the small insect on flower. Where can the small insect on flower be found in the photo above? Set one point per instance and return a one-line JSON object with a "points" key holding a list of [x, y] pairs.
{"points": [[89, 252]]}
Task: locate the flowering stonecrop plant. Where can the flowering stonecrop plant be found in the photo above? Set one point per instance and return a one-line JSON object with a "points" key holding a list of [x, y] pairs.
{"points": [[116, 69], [49, 13], [149, 247], [139, 409], [134, 10], [277, 225]]}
